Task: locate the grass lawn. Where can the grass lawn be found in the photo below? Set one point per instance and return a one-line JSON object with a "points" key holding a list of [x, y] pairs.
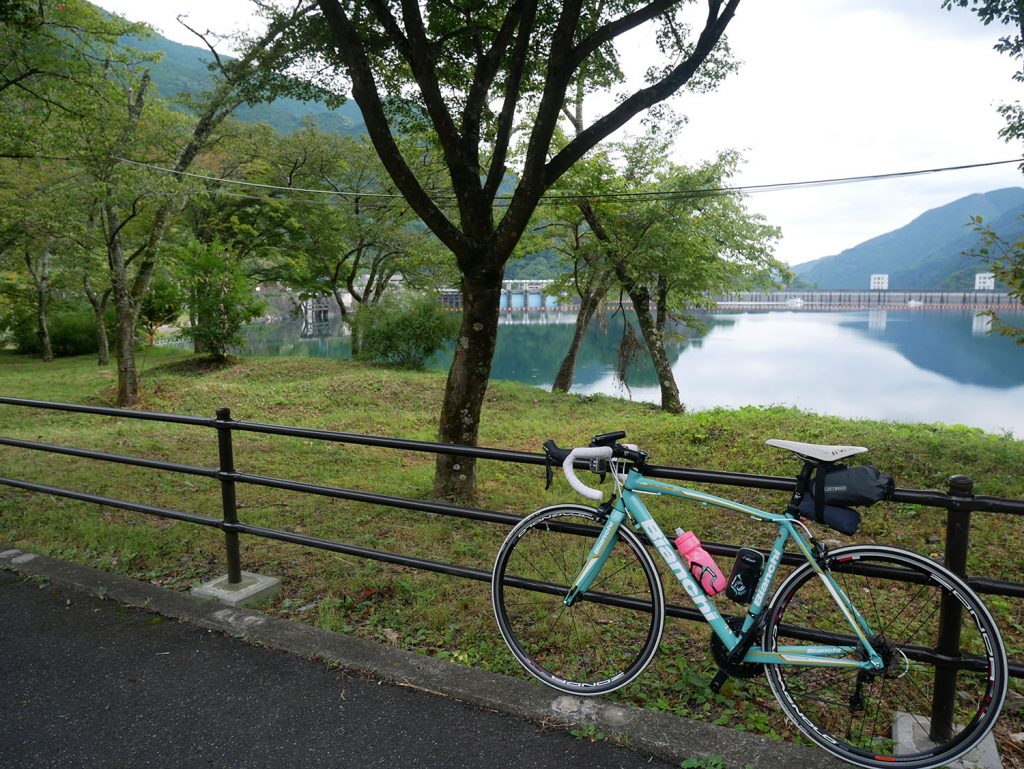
{"points": [[429, 613]]}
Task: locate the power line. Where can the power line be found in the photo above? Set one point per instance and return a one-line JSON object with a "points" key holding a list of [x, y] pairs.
{"points": [[646, 195], [243, 183], [754, 188]]}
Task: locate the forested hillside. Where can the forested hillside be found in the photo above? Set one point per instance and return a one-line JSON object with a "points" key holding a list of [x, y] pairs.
{"points": [[184, 69], [928, 253]]}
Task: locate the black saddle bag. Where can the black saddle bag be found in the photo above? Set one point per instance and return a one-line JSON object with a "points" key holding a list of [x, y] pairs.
{"points": [[836, 488], [857, 486]]}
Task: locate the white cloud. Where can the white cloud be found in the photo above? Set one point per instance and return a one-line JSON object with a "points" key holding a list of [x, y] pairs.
{"points": [[845, 89], [222, 17]]}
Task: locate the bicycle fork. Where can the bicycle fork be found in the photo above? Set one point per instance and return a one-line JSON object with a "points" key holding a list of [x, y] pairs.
{"points": [[598, 554]]}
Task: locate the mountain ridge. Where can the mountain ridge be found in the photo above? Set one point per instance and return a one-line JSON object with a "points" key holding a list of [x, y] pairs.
{"points": [[926, 253], [185, 69]]}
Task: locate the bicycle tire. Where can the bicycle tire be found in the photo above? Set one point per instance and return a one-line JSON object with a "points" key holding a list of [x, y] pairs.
{"points": [[858, 722], [598, 644]]}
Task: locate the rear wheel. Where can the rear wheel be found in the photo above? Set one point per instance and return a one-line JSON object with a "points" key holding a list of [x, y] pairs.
{"points": [[882, 718], [607, 637]]}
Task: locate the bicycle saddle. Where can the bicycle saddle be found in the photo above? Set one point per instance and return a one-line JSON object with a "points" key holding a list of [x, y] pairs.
{"points": [[817, 452]]}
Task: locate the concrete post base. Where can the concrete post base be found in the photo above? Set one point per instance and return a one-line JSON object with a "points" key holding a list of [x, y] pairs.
{"points": [[911, 735], [252, 589]]}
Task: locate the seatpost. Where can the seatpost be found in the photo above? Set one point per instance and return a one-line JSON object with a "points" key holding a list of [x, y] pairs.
{"points": [[803, 481]]}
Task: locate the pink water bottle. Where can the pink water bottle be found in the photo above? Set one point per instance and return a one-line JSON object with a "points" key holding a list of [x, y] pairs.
{"points": [[702, 565]]}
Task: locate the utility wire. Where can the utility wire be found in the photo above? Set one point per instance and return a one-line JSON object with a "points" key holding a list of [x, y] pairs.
{"points": [[647, 195], [243, 183]]}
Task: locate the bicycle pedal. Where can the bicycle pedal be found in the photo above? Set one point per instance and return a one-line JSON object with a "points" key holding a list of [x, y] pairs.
{"points": [[719, 681]]}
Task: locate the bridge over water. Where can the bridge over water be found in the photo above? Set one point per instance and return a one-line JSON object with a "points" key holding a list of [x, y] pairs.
{"points": [[526, 295], [864, 300]]}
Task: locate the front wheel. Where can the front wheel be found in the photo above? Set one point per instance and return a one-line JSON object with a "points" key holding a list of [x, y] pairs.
{"points": [[883, 718], [607, 637]]}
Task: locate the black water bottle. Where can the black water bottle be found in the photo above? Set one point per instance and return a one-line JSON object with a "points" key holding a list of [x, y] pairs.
{"points": [[746, 571]]}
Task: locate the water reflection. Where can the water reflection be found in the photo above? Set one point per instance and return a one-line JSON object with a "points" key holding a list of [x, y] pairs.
{"points": [[950, 343], [904, 365], [296, 338]]}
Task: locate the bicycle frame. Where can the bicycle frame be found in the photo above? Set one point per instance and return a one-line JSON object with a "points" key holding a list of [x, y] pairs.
{"points": [[628, 505]]}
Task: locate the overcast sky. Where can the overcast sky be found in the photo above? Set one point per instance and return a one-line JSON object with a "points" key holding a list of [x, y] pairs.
{"points": [[829, 88]]}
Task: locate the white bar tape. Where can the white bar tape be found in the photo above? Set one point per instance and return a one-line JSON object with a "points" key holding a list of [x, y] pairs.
{"points": [[595, 452]]}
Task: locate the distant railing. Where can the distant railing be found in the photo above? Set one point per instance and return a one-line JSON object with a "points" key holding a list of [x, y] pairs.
{"points": [[959, 502], [530, 297], [867, 299]]}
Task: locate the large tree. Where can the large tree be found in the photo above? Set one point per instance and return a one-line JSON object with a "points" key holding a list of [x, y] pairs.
{"points": [[659, 233], [352, 244], [58, 62], [482, 75], [52, 57], [258, 73], [73, 91]]}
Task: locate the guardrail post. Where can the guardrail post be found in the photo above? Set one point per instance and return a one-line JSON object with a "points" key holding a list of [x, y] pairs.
{"points": [[227, 493], [958, 532]]}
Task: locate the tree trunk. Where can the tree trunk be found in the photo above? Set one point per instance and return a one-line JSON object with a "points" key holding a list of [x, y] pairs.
{"points": [[102, 341], [661, 315], [589, 304], [40, 273], [43, 330], [43, 296], [455, 476], [126, 311], [655, 340], [196, 318], [653, 333], [99, 309], [355, 340], [127, 373]]}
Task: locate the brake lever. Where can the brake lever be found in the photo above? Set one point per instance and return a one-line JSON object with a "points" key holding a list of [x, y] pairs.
{"points": [[548, 471]]}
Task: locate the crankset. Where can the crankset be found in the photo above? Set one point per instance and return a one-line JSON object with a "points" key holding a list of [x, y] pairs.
{"points": [[727, 667]]}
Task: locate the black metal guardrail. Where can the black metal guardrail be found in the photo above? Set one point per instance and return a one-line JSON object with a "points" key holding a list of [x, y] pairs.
{"points": [[959, 503]]}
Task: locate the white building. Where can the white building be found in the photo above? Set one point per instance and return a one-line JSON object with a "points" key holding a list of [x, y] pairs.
{"points": [[985, 281], [880, 281]]}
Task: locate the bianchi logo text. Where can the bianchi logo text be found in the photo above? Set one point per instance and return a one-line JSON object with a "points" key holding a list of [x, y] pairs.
{"points": [[668, 552]]}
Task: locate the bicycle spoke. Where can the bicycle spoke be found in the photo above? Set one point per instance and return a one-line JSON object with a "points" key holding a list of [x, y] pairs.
{"points": [[557, 560], [904, 609], [878, 710], [878, 615], [607, 578], [557, 610], [921, 624], [535, 570]]}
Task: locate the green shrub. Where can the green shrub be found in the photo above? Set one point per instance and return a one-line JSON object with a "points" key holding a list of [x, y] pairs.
{"points": [[221, 298], [406, 330], [72, 331]]}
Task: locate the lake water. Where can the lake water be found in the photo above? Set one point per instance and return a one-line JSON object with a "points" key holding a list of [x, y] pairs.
{"points": [[903, 365]]}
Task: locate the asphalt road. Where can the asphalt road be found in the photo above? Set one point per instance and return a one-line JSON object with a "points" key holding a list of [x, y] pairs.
{"points": [[95, 684]]}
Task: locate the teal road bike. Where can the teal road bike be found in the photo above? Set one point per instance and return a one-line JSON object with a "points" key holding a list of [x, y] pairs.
{"points": [[848, 641]]}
